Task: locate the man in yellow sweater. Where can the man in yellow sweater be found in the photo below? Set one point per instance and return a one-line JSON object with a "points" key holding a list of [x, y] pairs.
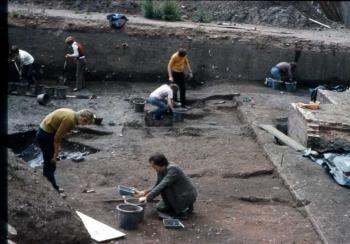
{"points": [[176, 67], [51, 132]]}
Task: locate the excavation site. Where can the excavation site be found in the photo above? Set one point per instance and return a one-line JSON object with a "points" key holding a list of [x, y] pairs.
{"points": [[178, 122]]}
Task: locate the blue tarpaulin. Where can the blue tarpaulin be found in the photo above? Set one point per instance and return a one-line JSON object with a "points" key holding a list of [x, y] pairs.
{"points": [[117, 20]]}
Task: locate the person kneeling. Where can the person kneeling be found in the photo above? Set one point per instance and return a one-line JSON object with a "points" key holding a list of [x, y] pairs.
{"points": [[177, 192], [162, 98]]}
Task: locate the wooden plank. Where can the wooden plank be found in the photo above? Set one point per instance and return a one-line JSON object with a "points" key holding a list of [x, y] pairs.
{"points": [[282, 137], [315, 21], [98, 231]]}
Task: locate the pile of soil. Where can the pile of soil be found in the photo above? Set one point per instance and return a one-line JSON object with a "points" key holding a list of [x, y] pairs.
{"points": [[36, 211], [289, 14]]}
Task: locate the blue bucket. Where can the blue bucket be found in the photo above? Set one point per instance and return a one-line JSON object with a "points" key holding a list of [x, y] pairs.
{"points": [[276, 84], [291, 86]]}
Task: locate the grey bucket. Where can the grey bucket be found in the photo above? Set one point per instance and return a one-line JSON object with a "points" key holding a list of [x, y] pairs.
{"points": [[43, 99], [128, 216], [22, 88], [178, 114], [49, 91], [136, 202], [139, 104], [61, 91], [276, 84], [291, 86]]}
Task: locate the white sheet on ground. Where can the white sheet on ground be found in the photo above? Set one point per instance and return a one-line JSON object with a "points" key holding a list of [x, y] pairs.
{"points": [[99, 231]]}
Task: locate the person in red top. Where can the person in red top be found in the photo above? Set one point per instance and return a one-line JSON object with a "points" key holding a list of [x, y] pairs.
{"points": [[79, 56]]}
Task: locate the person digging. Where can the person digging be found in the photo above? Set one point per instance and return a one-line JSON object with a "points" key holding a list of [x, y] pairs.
{"points": [[162, 98], [26, 65], [176, 68], [177, 192], [283, 71], [50, 134], [79, 56]]}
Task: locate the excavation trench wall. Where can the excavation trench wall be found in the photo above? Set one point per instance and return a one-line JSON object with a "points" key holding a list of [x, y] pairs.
{"points": [[144, 56]]}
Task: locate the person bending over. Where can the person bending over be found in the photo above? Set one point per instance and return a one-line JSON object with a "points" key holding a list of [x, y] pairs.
{"points": [[162, 98], [51, 132], [283, 71]]}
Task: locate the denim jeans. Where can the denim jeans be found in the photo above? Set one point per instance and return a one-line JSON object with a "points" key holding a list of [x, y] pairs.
{"points": [[275, 72], [45, 141], [162, 106]]}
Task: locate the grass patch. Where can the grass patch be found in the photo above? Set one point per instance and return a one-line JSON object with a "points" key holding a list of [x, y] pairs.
{"points": [[166, 10], [201, 16]]}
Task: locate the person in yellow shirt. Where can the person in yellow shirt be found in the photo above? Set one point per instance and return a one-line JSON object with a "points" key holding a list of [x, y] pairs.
{"points": [[51, 132], [176, 67]]}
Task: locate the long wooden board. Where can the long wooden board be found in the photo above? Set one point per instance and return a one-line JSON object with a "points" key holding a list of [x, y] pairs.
{"points": [[282, 137]]}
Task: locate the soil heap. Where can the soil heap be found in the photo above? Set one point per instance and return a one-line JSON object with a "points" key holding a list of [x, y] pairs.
{"points": [[36, 211]]}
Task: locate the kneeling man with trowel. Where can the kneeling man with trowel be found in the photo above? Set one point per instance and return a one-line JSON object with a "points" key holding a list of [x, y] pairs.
{"points": [[162, 98], [51, 132], [177, 191]]}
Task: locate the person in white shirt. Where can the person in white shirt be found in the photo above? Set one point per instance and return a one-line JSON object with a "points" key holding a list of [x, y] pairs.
{"points": [[26, 61], [79, 56], [162, 98]]}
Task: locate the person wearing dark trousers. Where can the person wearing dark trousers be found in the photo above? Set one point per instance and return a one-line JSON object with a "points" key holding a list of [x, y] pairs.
{"points": [[176, 67], [51, 132], [173, 185], [26, 61], [79, 56]]}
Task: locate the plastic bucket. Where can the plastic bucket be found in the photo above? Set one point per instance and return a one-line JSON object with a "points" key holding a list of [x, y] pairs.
{"points": [[291, 86], [276, 84], [178, 114], [135, 202], [43, 99], [139, 104], [61, 91], [49, 91], [128, 216]]}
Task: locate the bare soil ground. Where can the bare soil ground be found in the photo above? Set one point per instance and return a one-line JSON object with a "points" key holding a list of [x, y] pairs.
{"points": [[290, 14], [241, 199]]}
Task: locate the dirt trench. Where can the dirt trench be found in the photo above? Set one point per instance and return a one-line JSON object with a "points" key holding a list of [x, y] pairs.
{"points": [[241, 198]]}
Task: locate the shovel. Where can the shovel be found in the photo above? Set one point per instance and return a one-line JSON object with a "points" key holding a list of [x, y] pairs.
{"points": [[19, 73], [64, 72]]}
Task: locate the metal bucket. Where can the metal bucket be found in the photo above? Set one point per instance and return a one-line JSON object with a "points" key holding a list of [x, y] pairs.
{"points": [[43, 99], [276, 84], [61, 91], [179, 114], [136, 202], [139, 104], [291, 86], [49, 91], [22, 88], [128, 216], [11, 86]]}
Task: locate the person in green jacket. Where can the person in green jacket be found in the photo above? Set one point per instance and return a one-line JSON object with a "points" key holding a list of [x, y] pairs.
{"points": [[51, 132], [177, 192]]}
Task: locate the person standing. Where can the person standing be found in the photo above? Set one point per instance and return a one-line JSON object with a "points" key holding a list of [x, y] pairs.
{"points": [[176, 67], [51, 132], [283, 71], [177, 192], [26, 61], [80, 59]]}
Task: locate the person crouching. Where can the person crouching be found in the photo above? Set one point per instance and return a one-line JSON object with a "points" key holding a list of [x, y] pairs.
{"points": [[162, 98]]}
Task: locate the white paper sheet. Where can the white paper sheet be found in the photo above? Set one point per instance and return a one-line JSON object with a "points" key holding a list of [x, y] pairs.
{"points": [[99, 231]]}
